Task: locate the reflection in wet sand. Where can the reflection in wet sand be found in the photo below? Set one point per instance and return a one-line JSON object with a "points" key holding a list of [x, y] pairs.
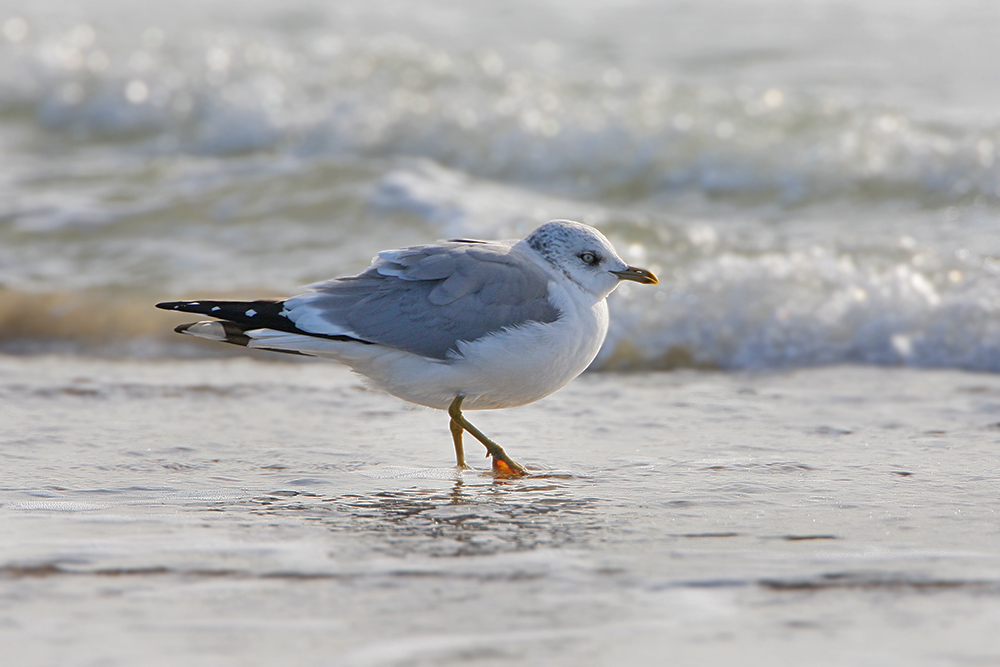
{"points": [[482, 517]]}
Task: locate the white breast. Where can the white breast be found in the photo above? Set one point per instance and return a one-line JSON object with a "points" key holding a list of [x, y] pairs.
{"points": [[521, 366], [509, 368]]}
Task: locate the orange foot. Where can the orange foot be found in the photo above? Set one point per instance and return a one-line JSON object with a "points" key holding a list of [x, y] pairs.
{"points": [[501, 468]]}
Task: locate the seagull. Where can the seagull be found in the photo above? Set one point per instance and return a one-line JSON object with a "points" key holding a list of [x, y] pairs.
{"points": [[453, 325]]}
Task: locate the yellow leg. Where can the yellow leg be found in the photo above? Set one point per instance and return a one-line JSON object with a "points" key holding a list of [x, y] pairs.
{"points": [[456, 435], [501, 462]]}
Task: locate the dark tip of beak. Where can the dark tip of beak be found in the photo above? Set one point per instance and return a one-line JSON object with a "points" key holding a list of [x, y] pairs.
{"points": [[641, 276]]}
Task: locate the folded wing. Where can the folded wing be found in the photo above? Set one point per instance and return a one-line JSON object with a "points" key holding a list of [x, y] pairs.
{"points": [[422, 299], [425, 299]]}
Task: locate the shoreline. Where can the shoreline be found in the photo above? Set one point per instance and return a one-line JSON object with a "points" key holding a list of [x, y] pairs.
{"points": [[158, 512]]}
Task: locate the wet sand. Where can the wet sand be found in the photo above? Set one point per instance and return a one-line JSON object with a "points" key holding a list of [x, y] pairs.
{"points": [[242, 512]]}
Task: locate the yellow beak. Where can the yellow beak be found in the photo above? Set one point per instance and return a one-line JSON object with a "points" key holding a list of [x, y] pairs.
{"points": [[638, 275]]}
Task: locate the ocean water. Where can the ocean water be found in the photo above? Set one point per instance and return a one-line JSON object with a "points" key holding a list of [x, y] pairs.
{"points": [[816, 182], [788, 454]]}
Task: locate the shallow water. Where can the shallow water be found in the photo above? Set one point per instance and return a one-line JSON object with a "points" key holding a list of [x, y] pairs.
{"points": [[241, 511]]}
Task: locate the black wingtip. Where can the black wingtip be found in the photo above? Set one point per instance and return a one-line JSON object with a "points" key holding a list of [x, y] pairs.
{"points": [[168, 305]]}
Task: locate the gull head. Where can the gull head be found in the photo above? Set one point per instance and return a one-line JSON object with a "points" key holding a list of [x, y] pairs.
{"points": [[585, 257]]}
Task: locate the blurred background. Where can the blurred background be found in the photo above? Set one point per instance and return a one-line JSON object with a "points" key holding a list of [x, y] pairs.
{"points": [[814, 181]]}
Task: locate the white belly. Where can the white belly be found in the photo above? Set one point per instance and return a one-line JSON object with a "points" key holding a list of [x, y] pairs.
{"points": [[510, 368]]}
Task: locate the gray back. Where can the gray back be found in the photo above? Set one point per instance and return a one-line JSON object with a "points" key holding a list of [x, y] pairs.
{"points": [[425, 299]]}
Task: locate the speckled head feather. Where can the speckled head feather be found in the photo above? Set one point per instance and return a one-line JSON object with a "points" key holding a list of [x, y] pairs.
{"points": [[556, 237], [580, 252]]}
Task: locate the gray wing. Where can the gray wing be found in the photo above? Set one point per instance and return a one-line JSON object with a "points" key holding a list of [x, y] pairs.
{"points": [[425, 299]]}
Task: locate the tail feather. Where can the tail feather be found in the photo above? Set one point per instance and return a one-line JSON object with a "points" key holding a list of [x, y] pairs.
{"points": [[223, 332]]}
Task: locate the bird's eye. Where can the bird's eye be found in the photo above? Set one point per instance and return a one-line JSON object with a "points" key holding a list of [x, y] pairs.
{"points": [[588, 258]]}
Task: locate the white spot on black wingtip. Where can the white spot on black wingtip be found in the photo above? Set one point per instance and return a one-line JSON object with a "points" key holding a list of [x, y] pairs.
{"points": [[215, 308], [251, 312], [194, 303]]}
